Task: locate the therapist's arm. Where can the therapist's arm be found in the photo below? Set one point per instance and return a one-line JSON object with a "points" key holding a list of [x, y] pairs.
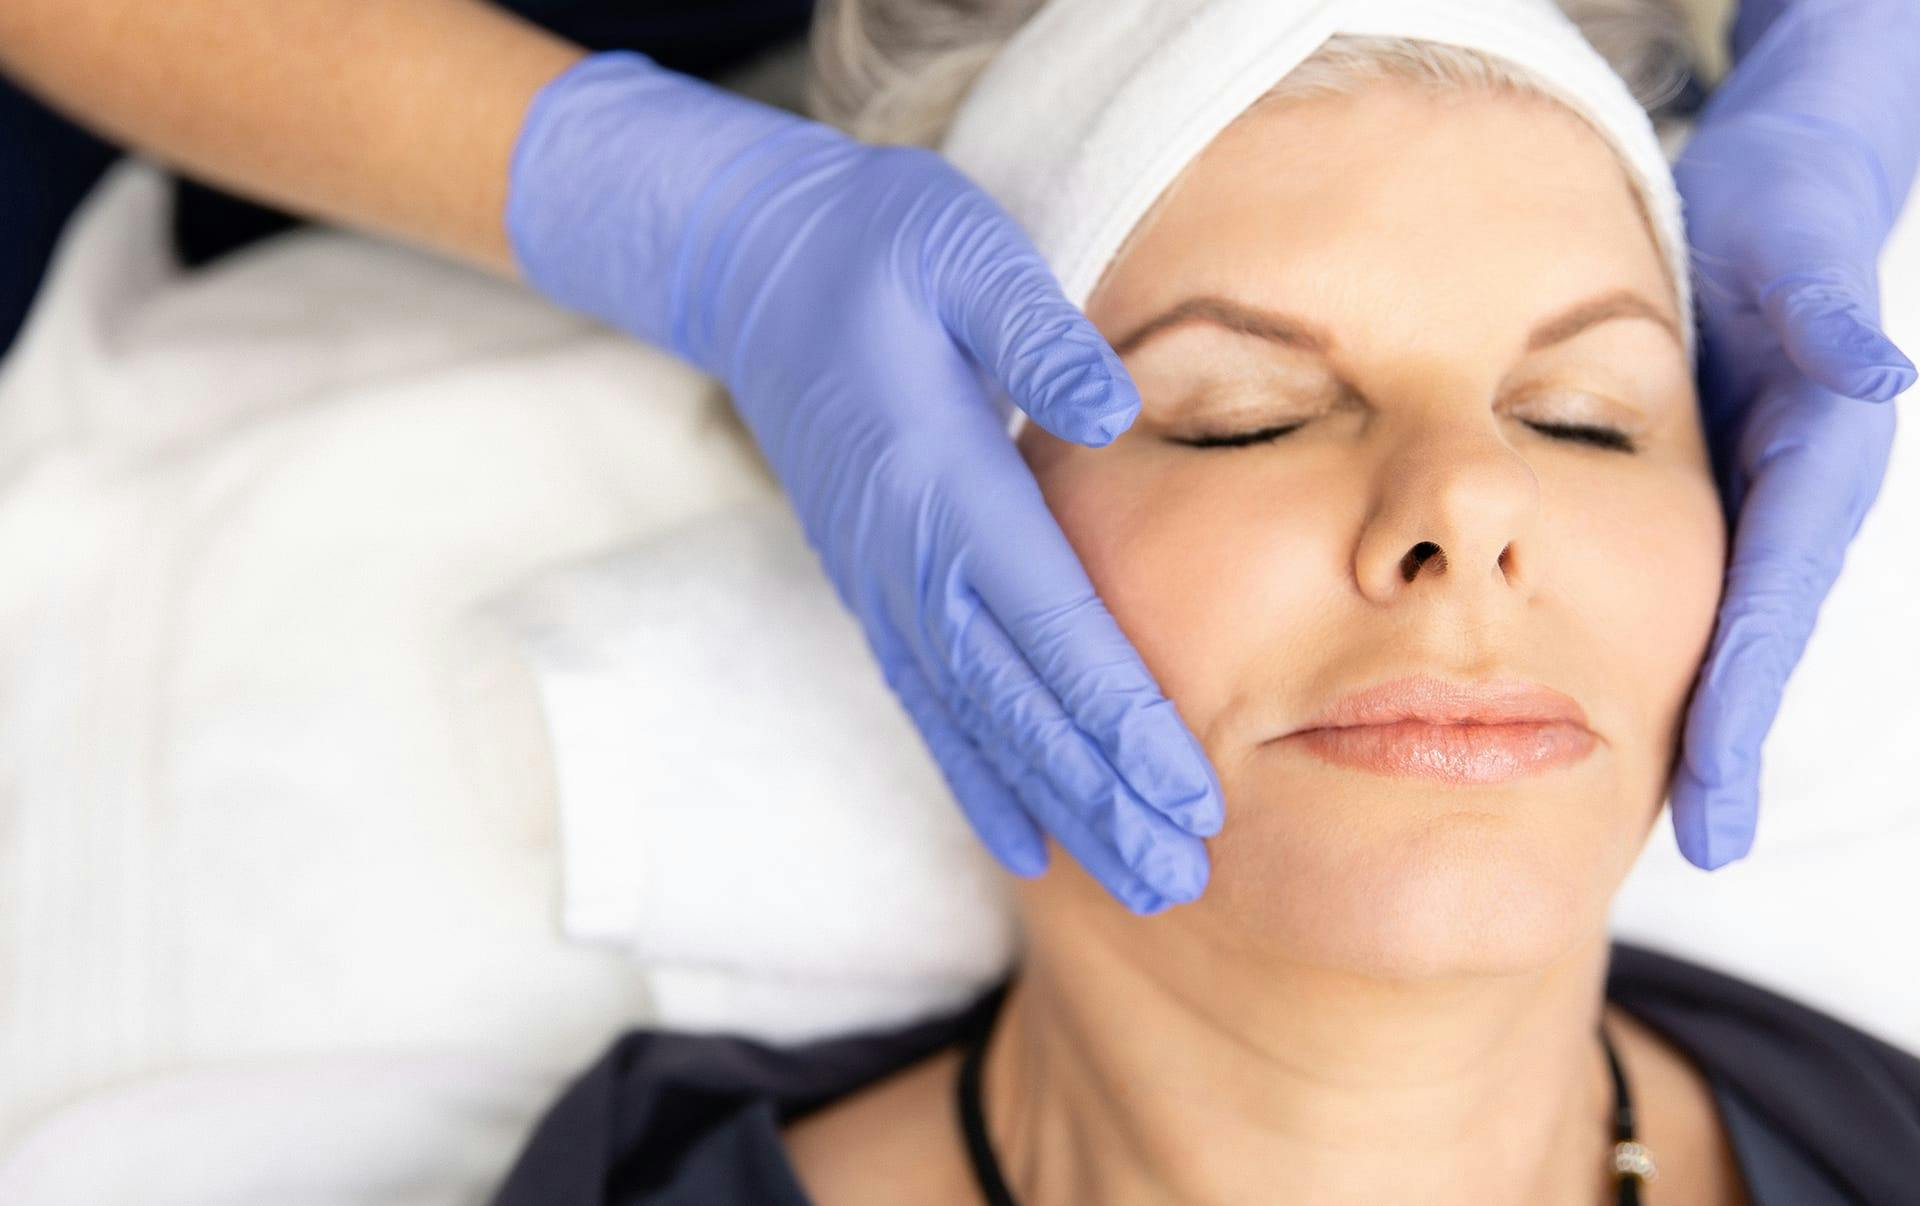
{"points": [[397, 116], [861, 303]]}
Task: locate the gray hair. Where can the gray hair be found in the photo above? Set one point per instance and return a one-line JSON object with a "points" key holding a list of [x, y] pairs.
{"points": [[894, 71]]}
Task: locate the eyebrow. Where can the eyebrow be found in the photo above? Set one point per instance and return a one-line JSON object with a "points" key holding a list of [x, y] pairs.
{"points": [[1297, 332]]}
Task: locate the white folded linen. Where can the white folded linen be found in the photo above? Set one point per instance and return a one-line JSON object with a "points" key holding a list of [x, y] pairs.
{"points": [[740, 790], [269, 787]]}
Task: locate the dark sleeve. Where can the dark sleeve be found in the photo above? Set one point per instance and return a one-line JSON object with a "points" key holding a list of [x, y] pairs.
{"points": [[47, 163], [699, 37]]}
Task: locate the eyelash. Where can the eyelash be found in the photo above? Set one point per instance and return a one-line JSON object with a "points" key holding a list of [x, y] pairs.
{"points": [[1586, 433], [1239, 439], [1574, 433]]}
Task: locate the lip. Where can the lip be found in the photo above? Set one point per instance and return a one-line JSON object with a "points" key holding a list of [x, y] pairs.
{"points": [[1424, 727]]}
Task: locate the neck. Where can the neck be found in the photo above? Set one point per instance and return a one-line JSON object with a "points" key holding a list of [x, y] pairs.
{"points": [[1217, 1079]]}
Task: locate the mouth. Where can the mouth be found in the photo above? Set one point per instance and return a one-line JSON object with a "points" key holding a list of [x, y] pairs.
{"points": [[1453, 732]]}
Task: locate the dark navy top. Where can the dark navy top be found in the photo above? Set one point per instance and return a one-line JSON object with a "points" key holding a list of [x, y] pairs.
{"points": [[47, 164], [1819, 1113]]}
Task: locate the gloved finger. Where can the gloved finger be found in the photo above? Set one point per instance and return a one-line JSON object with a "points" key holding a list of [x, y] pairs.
{"points": [[1818, 461], [1147, 865], [1752, 19], [997, 817], [1825, 317], [1091, 851], [1800, 251], [1716, 787], [1075, 652], [1796, 173], [1840, 349], [1000, 301], [1001, 684]]}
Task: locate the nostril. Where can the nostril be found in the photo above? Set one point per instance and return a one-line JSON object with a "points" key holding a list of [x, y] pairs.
{"points": [[1418, 555]]}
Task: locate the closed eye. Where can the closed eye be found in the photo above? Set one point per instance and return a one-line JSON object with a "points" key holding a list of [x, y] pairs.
{"points": [[1575, 433], [1585, 433], [1239, 439]]}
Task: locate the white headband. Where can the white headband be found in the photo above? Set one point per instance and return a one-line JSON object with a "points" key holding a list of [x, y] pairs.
{"points": [[1094, 107]]}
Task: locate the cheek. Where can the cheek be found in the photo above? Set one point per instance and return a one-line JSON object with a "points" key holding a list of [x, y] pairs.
{"points": [[1210, 565], [1637, 567]]}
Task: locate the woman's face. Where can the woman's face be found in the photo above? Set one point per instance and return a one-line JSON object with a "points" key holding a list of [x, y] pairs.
{"points": [[1432, 288]]}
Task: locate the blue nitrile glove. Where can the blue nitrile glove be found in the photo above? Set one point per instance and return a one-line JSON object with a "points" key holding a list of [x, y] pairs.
{"points": [[845, 293], [1799, 166]]}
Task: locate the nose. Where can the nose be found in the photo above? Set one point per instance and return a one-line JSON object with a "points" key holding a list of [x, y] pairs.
{"points": [[1453, 518]]}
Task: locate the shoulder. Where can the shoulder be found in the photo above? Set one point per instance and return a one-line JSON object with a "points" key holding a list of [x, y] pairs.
{"points": [[662, 1118], [1724, 1020], [897, 1141], [665, 1117], [1796, 1082]]}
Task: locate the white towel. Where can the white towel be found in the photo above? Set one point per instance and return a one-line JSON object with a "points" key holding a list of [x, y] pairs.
{"points": [[740, 791], [268, 788], [1094, 107]]}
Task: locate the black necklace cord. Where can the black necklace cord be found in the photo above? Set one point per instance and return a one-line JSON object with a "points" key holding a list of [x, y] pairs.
{"points": [[973, 1126], [1632, 1163]]}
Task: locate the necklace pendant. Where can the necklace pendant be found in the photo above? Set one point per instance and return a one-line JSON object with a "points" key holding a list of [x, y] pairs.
{"points": [[1632, 1159]]}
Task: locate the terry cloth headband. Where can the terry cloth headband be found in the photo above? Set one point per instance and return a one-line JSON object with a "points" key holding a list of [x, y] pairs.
{"points": [[1095, 106]]}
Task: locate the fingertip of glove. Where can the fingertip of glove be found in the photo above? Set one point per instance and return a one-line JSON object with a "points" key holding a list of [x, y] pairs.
{"points": [[1883, 382], [1090, 401], [1852, 357], [1165, 765], [1204, 811], [1017, 846], [1185, 876], [1718, 854], [1087, 414], [1148, 904], [1202, 816], [1710, 834], [1020, 861]]}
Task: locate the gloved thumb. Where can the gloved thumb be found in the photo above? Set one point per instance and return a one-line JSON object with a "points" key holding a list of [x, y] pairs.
{"points": [[1716, 786], [1827, 321], [1801, 164], [1817, 462], [1803, 253], [1000, 301]]}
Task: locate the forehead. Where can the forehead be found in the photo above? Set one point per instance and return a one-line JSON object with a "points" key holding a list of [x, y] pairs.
{"points": [[1454, 213]]}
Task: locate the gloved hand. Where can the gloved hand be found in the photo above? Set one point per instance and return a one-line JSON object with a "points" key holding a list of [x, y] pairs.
{"points": [[1793, 178], [846, 293]]}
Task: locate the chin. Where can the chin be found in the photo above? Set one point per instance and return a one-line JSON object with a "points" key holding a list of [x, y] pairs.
{"points": [[1455, 892]]}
